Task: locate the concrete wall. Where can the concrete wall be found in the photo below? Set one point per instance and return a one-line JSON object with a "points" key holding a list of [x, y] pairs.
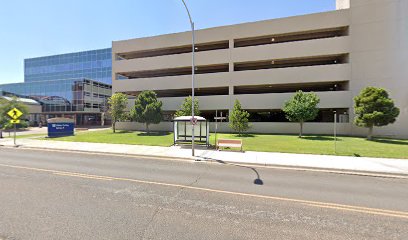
{"points": [[34, 108], [134, 126], [310, 48], [333, 99], [256, 127], [379, 54], [342, 4]]}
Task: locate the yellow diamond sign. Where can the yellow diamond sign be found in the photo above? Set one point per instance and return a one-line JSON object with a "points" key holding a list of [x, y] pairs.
{"points": [[15, 113], [15, 121]]}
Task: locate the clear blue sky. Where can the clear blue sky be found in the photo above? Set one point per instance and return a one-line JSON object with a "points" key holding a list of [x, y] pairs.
{"points": [[34, 28]]}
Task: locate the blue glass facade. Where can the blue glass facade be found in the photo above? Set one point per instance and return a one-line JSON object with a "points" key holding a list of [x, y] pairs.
{"points": [[95, 65], [74, 85]]}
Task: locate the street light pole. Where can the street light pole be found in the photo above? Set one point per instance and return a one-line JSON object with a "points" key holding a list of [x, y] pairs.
{"points": [[192, 77], [335, 132]]}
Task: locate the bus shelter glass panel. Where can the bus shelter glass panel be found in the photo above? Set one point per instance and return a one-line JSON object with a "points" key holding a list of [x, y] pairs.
{"points": [[183, 132]]}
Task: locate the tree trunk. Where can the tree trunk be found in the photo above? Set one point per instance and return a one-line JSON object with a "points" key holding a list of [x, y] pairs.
{"points": [[301, 130], [370, 133], [147, 128], [114, 126]]}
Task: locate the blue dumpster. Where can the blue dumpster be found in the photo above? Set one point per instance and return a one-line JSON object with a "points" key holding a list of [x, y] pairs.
{"points": [[60, 127]]}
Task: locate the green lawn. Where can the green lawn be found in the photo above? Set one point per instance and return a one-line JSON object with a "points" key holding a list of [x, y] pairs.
{"points": [[121, 137], [346, 146], [6, 135]]}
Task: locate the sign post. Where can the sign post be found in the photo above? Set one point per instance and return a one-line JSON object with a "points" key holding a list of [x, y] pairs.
{"points": [[216, 124], [194, 121], [335, 132], [216, 127], [15, 114]]}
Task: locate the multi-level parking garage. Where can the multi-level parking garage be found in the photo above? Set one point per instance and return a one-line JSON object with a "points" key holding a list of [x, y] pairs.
{"points": [[262, 64]]}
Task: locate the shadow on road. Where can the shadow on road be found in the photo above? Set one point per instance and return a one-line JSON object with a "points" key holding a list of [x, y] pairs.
{"points": [[257, 181]]}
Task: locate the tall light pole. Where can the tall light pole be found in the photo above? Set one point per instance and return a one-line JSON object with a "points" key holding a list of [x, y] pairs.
{"points": [[335, 132], [192, 78]]}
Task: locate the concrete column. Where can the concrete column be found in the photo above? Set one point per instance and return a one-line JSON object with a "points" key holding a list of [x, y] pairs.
{"points": [[231, 90], [231, 69], [231, 47]]}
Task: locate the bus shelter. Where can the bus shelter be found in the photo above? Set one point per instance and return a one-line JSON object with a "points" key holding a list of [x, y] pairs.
{"points": [[183, 130]]}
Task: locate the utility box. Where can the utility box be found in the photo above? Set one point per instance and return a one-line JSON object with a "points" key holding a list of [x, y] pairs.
{"points": [[60, 127]]}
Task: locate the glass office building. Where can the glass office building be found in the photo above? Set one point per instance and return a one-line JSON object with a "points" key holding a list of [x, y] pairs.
{"points": [[74, 85], [95, 65]]}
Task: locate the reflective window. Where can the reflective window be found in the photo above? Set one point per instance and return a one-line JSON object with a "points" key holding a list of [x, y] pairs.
{"points": [[68, 82], [62, 95], [96, 64]]}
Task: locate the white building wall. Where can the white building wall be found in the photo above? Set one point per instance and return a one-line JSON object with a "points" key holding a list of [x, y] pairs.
{"points": [[342, 4], [379, 54]]}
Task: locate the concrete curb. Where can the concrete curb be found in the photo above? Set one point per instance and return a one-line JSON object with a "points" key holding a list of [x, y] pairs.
{"points": [[100, 153], [316, 169], [214, 161]]}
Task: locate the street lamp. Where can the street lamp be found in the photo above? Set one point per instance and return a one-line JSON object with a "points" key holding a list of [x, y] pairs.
{"points": [[192, 78]]}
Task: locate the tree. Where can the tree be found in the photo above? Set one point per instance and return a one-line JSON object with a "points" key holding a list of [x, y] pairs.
{"points": [[6, 106], [104, 108], [185, 108], [117, 106], [148, 109], [302, 108], [374, 108], [239, 119]]}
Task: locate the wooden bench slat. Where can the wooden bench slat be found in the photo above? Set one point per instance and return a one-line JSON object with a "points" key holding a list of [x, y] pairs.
{"points": [[235, 143]]}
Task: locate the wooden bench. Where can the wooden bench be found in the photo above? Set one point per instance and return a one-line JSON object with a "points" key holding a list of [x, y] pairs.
{"points": [[232, 143]]}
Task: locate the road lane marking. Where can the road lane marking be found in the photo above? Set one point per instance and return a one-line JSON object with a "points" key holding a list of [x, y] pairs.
{"points": [[361, 211], [186, 160], [83, 176], [367, 210]]}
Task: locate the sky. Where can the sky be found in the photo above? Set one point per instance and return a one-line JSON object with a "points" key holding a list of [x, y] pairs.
{"points": [[48, 27]]}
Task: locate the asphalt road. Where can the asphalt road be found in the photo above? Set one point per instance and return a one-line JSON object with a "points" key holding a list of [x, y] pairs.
{"points": [[57, 195]]}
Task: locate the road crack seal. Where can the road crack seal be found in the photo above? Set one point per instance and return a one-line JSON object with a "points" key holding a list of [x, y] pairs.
{"points": [[173, 199]]}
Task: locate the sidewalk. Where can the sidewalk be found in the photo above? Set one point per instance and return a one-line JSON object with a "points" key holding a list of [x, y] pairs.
{"points": [[377, 165]]}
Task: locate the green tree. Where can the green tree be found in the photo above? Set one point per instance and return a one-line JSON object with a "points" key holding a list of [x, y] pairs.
{"points": [[239, 119], [185, 108], [117, 106], [302, 107], [374, 108], [148, 109], [6, 106]]}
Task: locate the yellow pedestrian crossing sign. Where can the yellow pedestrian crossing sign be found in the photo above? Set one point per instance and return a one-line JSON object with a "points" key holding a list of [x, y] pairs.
{"points": [[15, 113], [15, 121]]}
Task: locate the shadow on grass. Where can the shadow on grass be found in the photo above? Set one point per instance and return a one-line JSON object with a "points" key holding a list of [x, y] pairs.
{"points": [[320, 138], [391, 141], [121, 132], [144, 134], [244, 135]]}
